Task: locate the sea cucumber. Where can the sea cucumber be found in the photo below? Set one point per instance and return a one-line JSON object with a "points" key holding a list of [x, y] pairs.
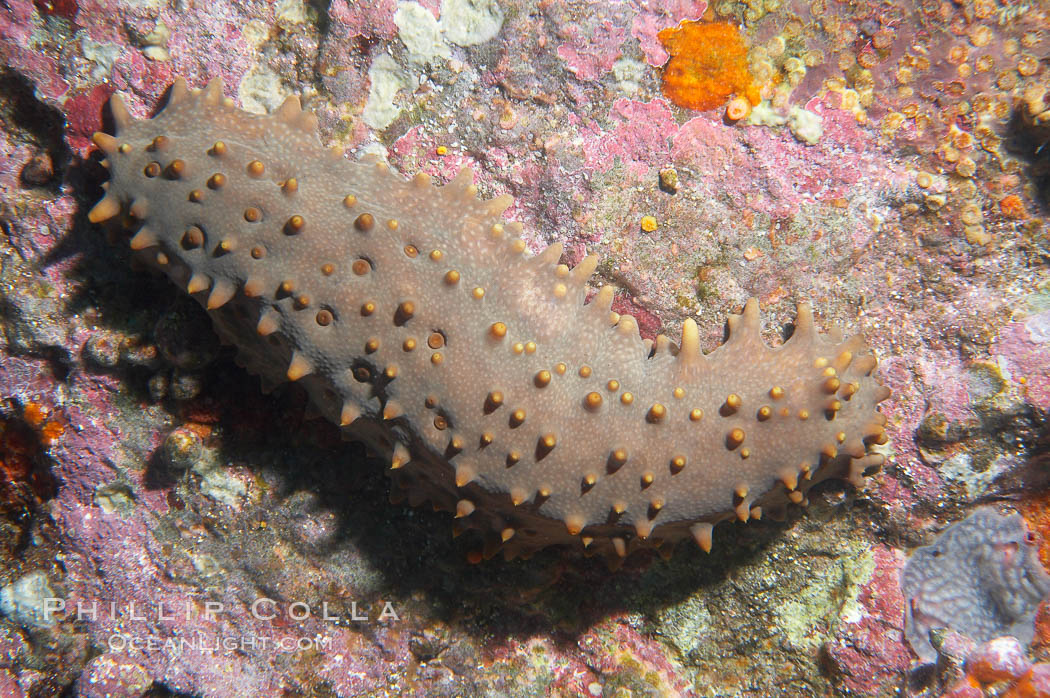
{"points": [[415, 319]]}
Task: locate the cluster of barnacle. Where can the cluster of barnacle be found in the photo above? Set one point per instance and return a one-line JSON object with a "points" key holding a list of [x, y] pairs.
{"points": [[781, 64], [948, 94], [747, 11]]}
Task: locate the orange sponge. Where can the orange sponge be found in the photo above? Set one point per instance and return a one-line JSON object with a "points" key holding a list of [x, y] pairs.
{"points": [[708, 65]]}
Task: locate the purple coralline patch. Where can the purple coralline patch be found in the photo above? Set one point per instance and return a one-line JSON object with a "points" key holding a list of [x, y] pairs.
{"points": [[945, 386], [840, 126], [1025, 348], [794, 177], [18, 20], [980, 577], [648, 323], [790, 176], [113, 675], [1036, 683], [84, 116], [912, 479], [705, 145], [415, 151], [999, 659], [368, 19]]}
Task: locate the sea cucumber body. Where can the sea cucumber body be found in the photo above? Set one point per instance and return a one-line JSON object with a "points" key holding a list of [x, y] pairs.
{"points": [[414, 317]]}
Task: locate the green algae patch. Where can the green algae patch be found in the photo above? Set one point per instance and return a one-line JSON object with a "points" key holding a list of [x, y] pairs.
{"points": [[986, 381], [830, 595], [688, 625]]}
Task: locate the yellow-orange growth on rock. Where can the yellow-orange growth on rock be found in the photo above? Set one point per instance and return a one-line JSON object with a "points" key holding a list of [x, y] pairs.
{"points": [[708, 65]]}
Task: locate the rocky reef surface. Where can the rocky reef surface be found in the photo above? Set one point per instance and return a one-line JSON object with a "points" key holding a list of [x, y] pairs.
{"points": [[206, 538]]}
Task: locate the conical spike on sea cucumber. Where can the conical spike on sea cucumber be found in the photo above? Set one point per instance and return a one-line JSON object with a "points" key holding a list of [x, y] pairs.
{"points": [[143, 239], [298, 367], [349, 414], [107, 207], [213, 91], [197, 283], [307, 122], [805, 330], [702, 535], [178, 92], [497, 206], [744, 329], [462, 181], [289, 109], [583, 271], [106, 143], [121, 118], [550, 255], [221, 294]]}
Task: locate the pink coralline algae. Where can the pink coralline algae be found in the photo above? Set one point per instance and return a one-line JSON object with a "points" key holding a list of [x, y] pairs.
{"points": [[84, 116], [368, 19], [1000, 659], [868, 652], [654, 16], [590, 55], [639, 139], [417, 150], [1000, 667], [792, 176], [981, 577], [1025, 349]]}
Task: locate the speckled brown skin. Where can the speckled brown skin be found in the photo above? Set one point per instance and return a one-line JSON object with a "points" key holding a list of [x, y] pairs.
{"points": [[414, 318]]}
